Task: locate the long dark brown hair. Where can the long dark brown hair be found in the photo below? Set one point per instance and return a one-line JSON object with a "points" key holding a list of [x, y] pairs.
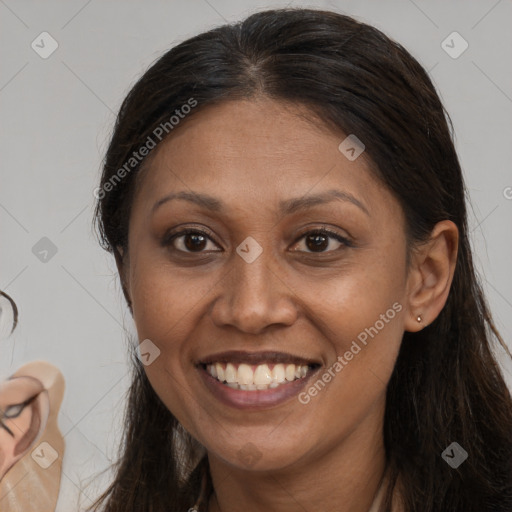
{"points": [[446, 385]]}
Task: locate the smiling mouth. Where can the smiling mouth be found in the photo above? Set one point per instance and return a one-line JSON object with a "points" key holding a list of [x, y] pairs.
{"points": [[247, 377]]}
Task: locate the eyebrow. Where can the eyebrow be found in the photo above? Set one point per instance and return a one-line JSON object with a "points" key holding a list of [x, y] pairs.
{"points": [[286, 207]]}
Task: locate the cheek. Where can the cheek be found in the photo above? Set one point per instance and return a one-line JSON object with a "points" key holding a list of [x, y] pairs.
{"points": [[351, 388], [164, 300], [360, 314], [348, 303], [166, 306], [364, 333]]}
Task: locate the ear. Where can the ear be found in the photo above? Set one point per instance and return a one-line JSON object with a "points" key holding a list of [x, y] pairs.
{"points": [[122, 267], [430, 275]]}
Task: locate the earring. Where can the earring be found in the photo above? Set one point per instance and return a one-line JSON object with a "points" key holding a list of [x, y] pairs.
{"points": [[419, 318]]}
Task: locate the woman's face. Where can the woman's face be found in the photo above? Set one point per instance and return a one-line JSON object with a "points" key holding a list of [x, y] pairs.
{"points": [[260, 282]]}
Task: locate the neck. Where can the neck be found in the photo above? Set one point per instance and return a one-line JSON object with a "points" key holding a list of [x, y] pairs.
{"points": [[345, 477]]}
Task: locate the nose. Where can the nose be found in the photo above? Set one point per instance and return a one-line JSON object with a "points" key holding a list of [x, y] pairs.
{"points": [[254, 296]]}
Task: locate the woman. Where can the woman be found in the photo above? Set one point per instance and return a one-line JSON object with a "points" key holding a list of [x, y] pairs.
{"points": [[287, 213]]}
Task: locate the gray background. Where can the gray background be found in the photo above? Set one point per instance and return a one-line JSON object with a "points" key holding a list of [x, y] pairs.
{"points": [[56, 115]]}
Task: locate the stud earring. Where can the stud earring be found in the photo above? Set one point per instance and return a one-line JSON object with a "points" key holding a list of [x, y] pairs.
{"points": [[419, 318]]}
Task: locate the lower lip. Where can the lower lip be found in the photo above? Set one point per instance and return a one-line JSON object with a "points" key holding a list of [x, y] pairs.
{"points": [[255, 399]]}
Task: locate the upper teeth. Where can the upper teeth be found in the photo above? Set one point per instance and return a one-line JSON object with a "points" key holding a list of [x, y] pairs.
{"points": [[243, 376]]}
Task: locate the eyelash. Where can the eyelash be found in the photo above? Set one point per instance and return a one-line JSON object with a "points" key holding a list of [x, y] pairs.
{"points": [[169, 239]]}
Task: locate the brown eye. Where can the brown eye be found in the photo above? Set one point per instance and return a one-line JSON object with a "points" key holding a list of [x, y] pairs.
{"points": [[194, 242], [190, 241], [319, 240]]}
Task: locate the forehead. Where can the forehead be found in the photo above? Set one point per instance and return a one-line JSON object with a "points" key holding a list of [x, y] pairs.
{"points": [[261, 151]]}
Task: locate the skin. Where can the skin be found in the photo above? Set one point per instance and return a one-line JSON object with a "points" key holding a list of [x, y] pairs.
{"points": [[251, 155]]}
